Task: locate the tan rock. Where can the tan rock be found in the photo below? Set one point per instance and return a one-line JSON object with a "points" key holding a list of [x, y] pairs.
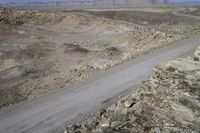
{"points": [[129, 103], [115, 123], [197, 54], [105, 123]]}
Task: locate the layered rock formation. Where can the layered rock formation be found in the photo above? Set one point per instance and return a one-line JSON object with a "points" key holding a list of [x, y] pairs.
{"points": [[168, 101]]}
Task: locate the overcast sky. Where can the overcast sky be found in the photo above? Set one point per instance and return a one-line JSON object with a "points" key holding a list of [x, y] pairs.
{"points": [[7, 1]]}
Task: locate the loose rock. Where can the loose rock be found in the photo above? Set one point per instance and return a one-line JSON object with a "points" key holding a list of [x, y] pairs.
{"points": [[128, 103], [168, 101]]}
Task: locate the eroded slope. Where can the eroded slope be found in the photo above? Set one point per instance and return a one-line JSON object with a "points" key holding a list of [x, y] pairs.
{"points": [[42, 51]]}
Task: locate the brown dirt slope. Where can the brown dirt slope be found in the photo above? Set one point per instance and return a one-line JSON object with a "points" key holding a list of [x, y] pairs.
{"points": [[43, 51]]}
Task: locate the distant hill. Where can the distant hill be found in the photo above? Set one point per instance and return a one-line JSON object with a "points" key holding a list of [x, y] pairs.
{"points": [[55, 4]]}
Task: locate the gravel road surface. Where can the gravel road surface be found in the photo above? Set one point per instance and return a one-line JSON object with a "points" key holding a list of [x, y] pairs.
{"points": [[47, 113]]}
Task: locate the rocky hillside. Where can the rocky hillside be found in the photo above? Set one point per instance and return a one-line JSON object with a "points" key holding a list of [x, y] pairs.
{"points": [[14, 16], [43, 51], [168, 101]]}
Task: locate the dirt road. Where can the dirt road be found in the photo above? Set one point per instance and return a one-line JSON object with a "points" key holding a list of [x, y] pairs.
{"points": [[48, 113]]}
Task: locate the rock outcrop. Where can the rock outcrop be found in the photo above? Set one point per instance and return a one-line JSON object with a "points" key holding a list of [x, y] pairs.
{"points": [[168, 101]]}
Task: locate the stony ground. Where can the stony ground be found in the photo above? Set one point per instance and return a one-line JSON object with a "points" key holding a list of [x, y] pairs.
{"points": [[41, 51], [167, 102]]}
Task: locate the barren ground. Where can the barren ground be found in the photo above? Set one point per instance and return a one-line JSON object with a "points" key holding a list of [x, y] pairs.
{"points": [[168, 101], [41, 52]]}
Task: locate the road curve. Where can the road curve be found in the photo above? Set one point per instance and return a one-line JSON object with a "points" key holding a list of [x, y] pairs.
{"points": [[44, 114]]}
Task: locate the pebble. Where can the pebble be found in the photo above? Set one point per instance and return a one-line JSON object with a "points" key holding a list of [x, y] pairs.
{"points": [[157, 130]]}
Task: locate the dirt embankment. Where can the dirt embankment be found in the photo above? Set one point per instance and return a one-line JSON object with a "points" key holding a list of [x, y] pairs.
{"points": [[12, 16], [42, 51], [182, 21], [142, 17], [168, 101]]}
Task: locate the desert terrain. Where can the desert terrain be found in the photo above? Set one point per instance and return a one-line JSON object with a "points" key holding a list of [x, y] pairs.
{"points": [[44, 51], [167, 101], [44, 56]]}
